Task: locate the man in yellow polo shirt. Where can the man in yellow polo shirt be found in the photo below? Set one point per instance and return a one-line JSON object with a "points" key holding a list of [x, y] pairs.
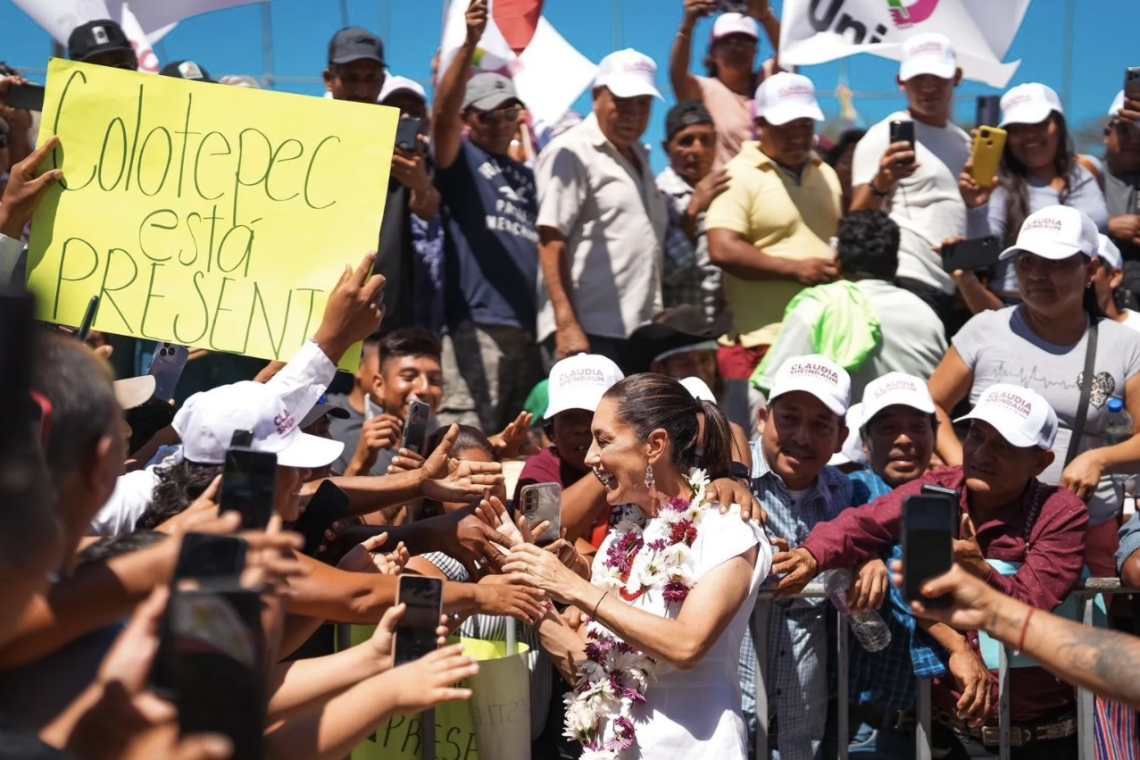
{"points": [[771, 230]]}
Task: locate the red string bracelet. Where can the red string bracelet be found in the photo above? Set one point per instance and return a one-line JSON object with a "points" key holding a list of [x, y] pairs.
{"points": [[1024, 630]]}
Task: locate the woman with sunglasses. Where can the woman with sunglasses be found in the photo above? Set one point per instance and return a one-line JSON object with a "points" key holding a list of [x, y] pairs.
{"points": [[1039, 168], [731, 66], [1044, 344]]}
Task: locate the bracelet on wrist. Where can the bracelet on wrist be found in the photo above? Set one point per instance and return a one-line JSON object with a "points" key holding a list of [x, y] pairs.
{"points": [[880, 194], [1024, 630]]}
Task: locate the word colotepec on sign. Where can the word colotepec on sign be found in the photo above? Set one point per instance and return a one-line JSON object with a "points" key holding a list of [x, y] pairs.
{"points": [[204, 215]]}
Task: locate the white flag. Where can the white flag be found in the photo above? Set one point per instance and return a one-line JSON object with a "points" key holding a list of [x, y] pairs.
{"points": [[153, 15], [549, 76], [59, 17], [148, 61], [981, 31]]}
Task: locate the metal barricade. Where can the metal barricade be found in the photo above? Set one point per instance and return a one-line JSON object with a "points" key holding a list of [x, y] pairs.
{"points": [[1086, 596]]}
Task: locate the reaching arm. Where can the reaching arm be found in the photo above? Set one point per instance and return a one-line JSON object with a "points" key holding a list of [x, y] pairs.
{"points": [[948, 386], [581, 505], [685, 85], [296, 685], [446, 120]]}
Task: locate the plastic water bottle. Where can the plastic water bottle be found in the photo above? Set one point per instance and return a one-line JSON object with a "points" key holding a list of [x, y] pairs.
{"points": [[1118, 429], [869, 628]]}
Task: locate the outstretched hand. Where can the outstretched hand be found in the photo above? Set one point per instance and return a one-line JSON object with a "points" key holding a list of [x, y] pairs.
{"points": [[25, 191], [354, 310], [454, 480]]}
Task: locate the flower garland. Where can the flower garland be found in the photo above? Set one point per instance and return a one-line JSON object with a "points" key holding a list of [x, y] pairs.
{"points": [[642, 565]]}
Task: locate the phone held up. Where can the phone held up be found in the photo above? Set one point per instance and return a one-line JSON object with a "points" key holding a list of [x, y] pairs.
{"points": [[166, 365], [27, 97], [903, 131], [415, 631], [1132, 83], [732, 6], [328, 505], [929, 527], [988, 111], [249, 482], [415, 427], [408, 135], [971, 255], [542, 502], [989, 146]]}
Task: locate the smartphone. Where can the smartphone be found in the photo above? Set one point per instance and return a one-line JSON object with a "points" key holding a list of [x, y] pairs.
{"points": [[29, 97], [953, 498], [415, 427], [903, 131], [928, 529], [328, 505], [241, 439], [211, 665], [1132, 83], [415, 633], [248, 484], [207, 556], [989, 147], [543, 502], [732, 6], [166, 366], [971, 255], [989, 111], [408, 135], [88, 319]]}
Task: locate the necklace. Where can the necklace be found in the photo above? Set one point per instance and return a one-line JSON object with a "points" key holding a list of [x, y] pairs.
{"points": [[647, 567]]}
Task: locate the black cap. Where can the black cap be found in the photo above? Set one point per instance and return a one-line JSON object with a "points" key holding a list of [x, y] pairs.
{"points": [[323, 409], [186, 70], [355, 44], [96, 37], [673, 328], [687, 113]]}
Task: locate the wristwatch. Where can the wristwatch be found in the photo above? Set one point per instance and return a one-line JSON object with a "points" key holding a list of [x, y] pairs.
{"points": [[740, 472]]}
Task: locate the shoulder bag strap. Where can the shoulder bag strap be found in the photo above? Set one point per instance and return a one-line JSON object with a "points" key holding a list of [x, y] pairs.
{"points": [[1086, 390]]}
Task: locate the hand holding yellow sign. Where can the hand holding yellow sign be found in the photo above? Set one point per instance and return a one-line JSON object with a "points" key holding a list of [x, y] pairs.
{"points": [[209, 216]]}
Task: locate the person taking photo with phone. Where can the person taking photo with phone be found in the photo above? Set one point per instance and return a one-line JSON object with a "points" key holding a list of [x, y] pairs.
{"points": [[1019, 535], [732, 76], [916, 180], [1057, 343], [1122, 185], [1039, 168], [490, 358]]}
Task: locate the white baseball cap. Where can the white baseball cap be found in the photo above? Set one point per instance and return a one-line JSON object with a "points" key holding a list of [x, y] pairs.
{"points": [[852, 452], [1055, 233], [817, 375], [1117, 105], [207, 421], [700, 390], [392, 85], [579, 382], [1030, 103], [1020, 415], [728, 24], [896, 389], [785, 97], [628, 74], [1108, 253], [928, 54], [132, 392]]}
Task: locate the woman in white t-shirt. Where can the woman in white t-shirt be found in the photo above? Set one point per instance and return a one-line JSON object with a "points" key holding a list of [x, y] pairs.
{"points": [[1042, 344]]}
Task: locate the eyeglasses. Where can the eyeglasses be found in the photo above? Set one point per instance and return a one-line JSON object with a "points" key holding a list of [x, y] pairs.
{"points": [[511, 113]]}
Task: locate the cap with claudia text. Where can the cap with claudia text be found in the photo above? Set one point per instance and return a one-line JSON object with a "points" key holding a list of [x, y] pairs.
{"points": [[392, 85], [1108, 253], [487, 91], [579, 382], [355, 44], [728, 24], [928, 54], [687, 113], [97, 37], [785, 97], [186, 70], [1056, 233], [1030, 103], [817, 375], [628, 74], [896, 389], [1020, 415], [207, 421]]}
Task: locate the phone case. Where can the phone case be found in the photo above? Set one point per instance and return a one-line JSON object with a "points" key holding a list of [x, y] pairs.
{"points": [[989, 146], [971, 255], [166, 367], [415, 427], [542, 502], [1132, 83], [903, 131]]}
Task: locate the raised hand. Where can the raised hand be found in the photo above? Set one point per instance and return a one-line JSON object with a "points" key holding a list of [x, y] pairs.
{"points": [[25, 191], [383, 639], [454, 480], [353, 311], [476, 21], [514, 441]]}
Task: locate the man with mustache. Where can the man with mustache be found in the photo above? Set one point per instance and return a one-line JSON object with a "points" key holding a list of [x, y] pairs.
{"points": [[803, 428], [1022, 537]]}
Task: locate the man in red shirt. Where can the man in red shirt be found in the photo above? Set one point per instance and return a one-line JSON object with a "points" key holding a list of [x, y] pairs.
{"points": [[1010, 521]]}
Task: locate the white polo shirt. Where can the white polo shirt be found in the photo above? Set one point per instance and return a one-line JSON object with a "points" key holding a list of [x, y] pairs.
{"points": [[613, 218]]}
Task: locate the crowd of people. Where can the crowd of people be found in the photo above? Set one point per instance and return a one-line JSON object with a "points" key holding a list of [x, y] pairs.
{"points": [[737, 372]]}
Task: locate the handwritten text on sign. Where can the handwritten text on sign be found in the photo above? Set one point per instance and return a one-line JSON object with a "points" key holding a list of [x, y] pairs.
{"points": [[210, 216]]}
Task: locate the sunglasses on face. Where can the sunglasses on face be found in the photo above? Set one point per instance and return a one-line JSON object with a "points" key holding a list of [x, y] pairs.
{"points": [[510, 113]]}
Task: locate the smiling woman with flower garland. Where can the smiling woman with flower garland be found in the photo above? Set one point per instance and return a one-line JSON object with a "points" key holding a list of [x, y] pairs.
{"points": [[654, 665]]}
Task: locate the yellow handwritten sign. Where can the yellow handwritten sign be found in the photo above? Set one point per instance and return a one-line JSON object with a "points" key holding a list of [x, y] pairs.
{"points": [[210, 216]]}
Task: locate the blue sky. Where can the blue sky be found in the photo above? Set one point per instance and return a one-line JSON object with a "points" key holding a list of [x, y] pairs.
{"points": [[229, 42]]}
